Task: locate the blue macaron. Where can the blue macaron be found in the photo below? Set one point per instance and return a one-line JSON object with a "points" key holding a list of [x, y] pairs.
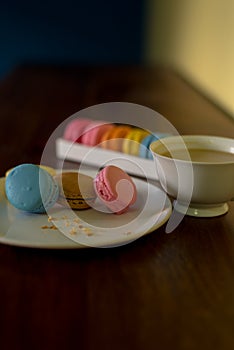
{"points": [[144, 151], [30, 188]]}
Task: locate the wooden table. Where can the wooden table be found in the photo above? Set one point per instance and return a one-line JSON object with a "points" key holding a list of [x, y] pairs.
{"points": [[163, 291]]}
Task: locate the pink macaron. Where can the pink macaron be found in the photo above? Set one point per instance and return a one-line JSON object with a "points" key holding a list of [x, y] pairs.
{"points": [[94, 131], [74, 129], [115, 188]]}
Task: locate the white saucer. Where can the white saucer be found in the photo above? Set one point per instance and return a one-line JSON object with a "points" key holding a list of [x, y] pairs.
{"points": [[67, 229]]}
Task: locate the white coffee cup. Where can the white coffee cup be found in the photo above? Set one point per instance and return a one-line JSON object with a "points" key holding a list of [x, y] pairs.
{"points": [[200, 186]]}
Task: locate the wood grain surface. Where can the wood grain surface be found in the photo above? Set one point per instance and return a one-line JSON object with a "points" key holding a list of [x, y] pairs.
{"points": [[162, 291]]}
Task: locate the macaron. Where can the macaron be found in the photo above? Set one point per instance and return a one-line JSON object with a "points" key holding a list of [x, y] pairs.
{"points": [[131, 143], [115, 188], [105, 141], [93, 133], [75, 190], [30, 188], [118, 135], [75, 128], [144, 151]]}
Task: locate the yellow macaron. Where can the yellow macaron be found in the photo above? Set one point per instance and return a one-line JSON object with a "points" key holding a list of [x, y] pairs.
{"points": [[75, 190], [131, 143]]}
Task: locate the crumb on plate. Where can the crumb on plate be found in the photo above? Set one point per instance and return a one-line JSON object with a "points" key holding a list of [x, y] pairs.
{"points": [[87, 231], [50, 218], [72, 231], [46, 227], [76, 220]]}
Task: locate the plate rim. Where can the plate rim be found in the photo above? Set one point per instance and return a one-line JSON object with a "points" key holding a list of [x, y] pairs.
{"points": [[71, 244]]}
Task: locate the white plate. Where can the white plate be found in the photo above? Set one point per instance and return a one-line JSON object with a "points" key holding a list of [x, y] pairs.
{"points": [[84, 228]]}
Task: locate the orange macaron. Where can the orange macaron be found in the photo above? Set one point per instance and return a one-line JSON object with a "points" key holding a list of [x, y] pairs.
{"points": [[106, 138], [113, 138], [118, 136]]}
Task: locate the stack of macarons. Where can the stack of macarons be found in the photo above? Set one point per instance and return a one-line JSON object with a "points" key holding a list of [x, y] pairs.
{"points": [[33, 189], [115, 137]]}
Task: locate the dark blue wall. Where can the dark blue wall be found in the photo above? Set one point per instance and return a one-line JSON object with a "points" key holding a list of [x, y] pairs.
{"points": [[89, 32]]}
